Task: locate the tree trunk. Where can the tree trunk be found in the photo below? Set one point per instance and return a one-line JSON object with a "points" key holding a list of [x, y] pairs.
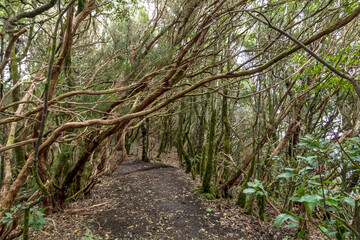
{"points": [[209, 168], [145, 141]]}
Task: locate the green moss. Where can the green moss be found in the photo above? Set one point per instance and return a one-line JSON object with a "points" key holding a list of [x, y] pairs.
{"points": [[198, 188], [241, 199], [209, 196], [62, 163], [19, 156], [203, 160], [186, 157], [26, 224], [250, 205], [193, 173], [261, 206], [210, 159]]}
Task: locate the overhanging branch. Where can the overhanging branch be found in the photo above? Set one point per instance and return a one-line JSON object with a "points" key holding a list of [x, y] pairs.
{"points": [[351, 79]]}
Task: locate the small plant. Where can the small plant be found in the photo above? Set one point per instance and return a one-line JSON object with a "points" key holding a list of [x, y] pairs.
{"points": [[318, 191], [89, 236], [255, 187], [8, 219], [37, 219], [9, 216], [33, 218]]}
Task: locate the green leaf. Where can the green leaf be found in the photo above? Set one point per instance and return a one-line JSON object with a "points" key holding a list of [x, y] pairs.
{"points": [[294, 199], [289, 169], [292, 225], [332, 232], [332, 209], [349, 201], [353, 151], [251, 184], [8, 223], [282, 218], [310, 198], [286, 175], [329, 182], [314, 183], [355, 139], [305, 169], [300, 234], [310, 206], [208, 210], [331, 201], [249, 191], [43, 210]]}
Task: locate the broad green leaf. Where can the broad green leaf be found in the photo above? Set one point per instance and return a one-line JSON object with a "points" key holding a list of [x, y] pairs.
{"points": [[355, 139], [331, 232], [300, 234], [286, 175], [250, 184], [349, 201], [314, 183], [305, 169], [310, 206], [329, 182], [9, 223], [353, 151], [292, 225], [294, 199], [310, 198], [332, 209], [249, 191], [331, 201], [289, 169], [282, 218]]}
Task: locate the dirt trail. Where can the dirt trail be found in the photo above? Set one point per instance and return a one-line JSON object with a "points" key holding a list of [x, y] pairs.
{"points": [[153, 201]]}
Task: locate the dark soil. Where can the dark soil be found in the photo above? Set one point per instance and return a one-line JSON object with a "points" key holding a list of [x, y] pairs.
{"points": [[153, 201]]}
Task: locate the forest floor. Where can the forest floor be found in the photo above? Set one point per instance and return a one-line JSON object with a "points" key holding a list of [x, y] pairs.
{"points": [[154, 201]]}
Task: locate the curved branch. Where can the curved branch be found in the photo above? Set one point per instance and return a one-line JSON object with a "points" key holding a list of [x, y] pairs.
{"points": [[351, 79], [33, 13], [9, 48]]}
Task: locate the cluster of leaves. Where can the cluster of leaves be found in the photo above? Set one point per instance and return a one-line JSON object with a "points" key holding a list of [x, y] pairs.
{"points": [[315, 188], [121, 9], [255, 187], [37, 218]]}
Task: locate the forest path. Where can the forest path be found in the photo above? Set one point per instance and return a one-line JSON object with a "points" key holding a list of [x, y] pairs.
{"points": [[152, 201]]}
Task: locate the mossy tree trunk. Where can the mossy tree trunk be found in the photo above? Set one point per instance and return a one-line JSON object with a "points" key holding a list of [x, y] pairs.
{"points": [[179, 137], [183, 155], [202, 123], [209, 167], [201, 148], [130, 138], [26, 223], [226, 123], [145, 140], [226, 137], [166, 132], [203, 161], [241, 199], [10, 155], [19, 154]]}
